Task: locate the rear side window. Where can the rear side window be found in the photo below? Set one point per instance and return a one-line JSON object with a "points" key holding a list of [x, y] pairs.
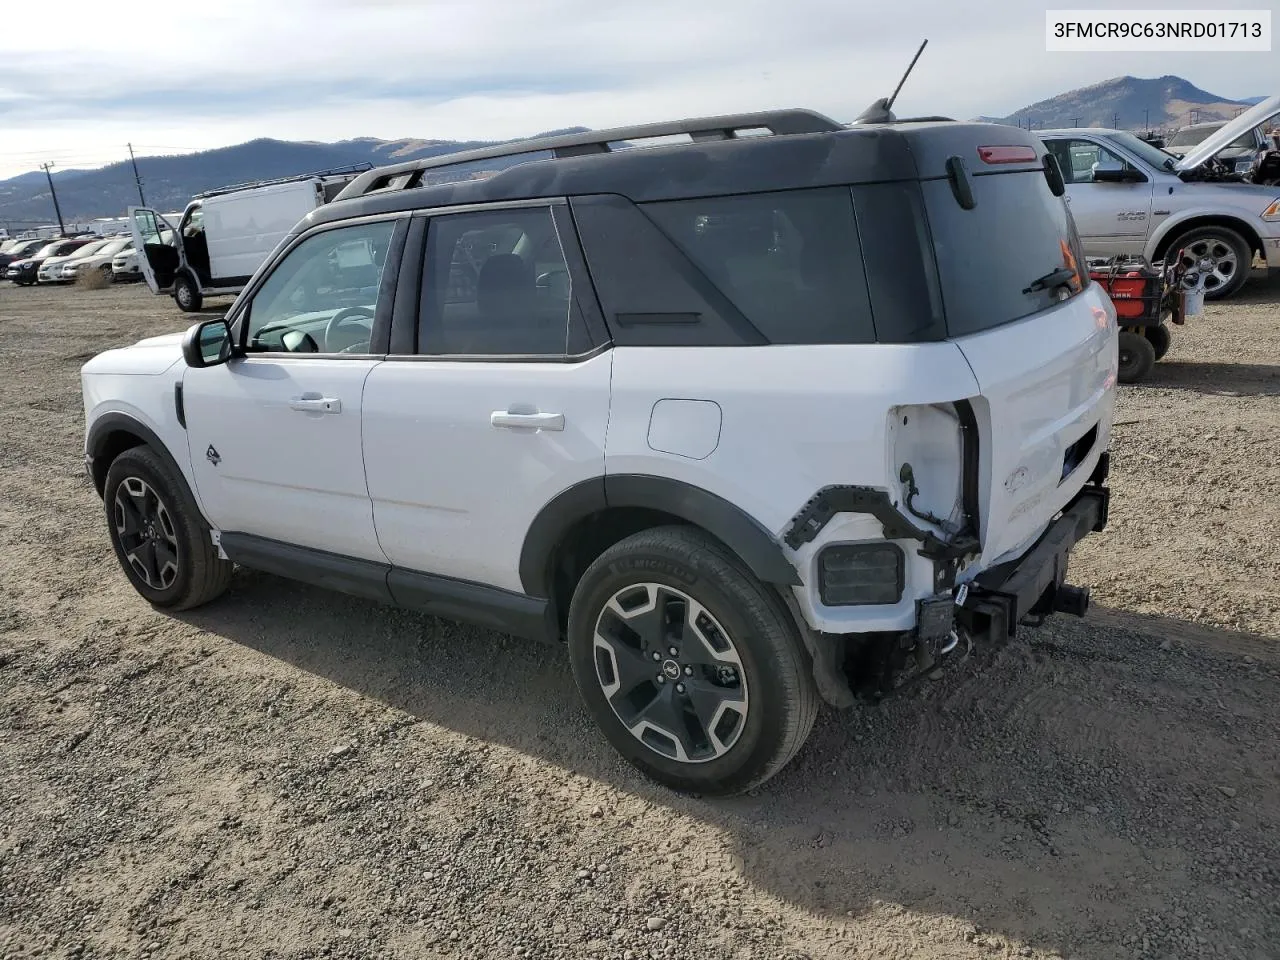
{"points": [[1000, 261], [789, 262]]}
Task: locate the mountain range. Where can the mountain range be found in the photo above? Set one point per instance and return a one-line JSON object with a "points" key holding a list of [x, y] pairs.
{"points": [[1129, 103], [169, 181]]}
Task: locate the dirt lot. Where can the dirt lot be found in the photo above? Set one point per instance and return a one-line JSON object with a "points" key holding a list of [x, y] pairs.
{"points": [[287, 773]]}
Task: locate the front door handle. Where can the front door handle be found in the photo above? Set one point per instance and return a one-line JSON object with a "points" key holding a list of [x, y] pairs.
{"points": [[527, 421], [316, 404]]}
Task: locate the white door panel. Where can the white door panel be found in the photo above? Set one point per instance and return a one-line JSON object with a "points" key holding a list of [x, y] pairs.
{"points": [[461, 455], [275, 450]]}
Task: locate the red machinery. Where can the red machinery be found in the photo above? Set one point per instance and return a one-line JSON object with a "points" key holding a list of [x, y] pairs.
{"points": [[1146, 297]]}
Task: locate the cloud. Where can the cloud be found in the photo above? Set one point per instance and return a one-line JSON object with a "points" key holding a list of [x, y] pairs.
{"points": [[208, 74]]}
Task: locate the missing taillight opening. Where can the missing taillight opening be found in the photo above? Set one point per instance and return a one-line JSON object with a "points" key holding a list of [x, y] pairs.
{"points": [[1007, 154]]}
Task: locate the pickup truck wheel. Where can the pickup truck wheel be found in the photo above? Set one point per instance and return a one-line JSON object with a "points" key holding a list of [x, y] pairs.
{"points": [[186, 293], [158, 535], [1221, 255], [691, 666], [1161, 339], [1137, 356]]}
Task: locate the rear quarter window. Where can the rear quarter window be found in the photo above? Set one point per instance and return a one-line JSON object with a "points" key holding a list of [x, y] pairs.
{"points": [[790, 262], [989, 257]]}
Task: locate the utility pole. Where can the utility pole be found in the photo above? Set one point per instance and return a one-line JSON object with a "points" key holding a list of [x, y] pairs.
{"points": [[62, 230], [137, 179], [1115, 121], [1146, 118], [1075, 121]]}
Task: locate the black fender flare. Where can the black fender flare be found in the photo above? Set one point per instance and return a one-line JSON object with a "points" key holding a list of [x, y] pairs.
{"points": [[96, 445], [728, 523]]}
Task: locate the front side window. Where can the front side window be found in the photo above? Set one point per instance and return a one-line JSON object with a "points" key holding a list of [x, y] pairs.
{"points": [[1077, 157], [495, 283], [322, 297]]}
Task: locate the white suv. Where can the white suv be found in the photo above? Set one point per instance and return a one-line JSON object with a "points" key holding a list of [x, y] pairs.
{"points": [[747, 421]]}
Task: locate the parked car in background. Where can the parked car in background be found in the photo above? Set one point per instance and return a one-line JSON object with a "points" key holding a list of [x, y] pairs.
{"points": [[51, 270], [25, 272], [126, 265], [1128, 197], [1239, 152], [99, 259], [20, 250], [225, 235]]}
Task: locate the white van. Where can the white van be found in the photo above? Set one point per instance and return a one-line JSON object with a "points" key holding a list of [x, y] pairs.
{"points": [[224, 235]]}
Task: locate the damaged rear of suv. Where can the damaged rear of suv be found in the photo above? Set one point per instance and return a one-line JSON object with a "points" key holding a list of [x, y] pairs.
{"points": [[788, 411]]}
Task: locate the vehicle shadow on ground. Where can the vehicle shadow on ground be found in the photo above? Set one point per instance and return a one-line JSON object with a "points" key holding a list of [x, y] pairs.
{"points": [[1048, 786], [1225, 379], [1261, 288]]}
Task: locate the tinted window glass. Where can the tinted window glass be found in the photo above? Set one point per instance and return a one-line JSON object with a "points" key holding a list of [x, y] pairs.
{"points": [[989, 258], [651, 294], [322, 297], [789, 262], [898, 257], [495, 283]]}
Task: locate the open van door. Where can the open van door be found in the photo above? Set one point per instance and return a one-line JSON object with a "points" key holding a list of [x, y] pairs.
{"points": [[159, 248]]}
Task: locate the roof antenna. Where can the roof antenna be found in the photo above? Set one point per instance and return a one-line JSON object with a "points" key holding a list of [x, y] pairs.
{"points": [[880, 112]]}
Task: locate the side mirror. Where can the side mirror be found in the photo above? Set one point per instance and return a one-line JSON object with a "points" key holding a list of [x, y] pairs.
{"points": [[1111, 172], [207, 344]]}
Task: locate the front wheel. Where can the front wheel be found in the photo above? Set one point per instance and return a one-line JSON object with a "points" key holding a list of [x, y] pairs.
{"points": [[187, 294], [690, 665], [159, 536], [1218, 254]]}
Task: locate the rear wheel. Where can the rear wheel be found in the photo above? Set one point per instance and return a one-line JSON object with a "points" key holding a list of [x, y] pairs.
{"points": [[689, 664], [1220, 255], [159, 536], [1160, 338], [1137, 356], [186, 293]]}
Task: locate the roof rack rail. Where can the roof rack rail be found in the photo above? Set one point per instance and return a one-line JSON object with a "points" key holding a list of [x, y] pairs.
{"points": [[356, 168], [403, 176]]}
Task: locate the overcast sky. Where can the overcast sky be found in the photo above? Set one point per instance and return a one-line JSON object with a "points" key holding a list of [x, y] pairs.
{"points": [[80, 79]]}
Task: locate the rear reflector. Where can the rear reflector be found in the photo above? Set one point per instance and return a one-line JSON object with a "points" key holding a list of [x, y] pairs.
{"points": [[1007, 154]]}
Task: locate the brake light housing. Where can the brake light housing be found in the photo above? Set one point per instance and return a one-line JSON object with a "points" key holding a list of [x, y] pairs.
{"points": [[1007, 153]]}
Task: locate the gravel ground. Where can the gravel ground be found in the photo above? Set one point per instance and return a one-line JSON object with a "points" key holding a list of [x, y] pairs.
{"points": [[287, 773]]}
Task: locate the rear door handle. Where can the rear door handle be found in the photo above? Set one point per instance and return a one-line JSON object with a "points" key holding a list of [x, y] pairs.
{"points": [[527, 421], [316, 404]]}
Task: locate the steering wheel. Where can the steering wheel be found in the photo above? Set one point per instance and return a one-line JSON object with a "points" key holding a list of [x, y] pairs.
{"points": [[343, 316]]}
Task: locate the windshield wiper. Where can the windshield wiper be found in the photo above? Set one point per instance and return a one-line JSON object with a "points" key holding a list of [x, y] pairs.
{"points": [[1049, 281]]}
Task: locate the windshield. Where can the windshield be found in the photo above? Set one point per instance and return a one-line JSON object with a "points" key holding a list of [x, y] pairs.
{"points": [[1152, 155], [88, 249], [1190, 136], [48, 249], [114, 246]]}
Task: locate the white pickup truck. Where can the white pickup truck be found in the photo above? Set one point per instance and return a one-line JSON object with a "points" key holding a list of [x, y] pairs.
{"points": [[1129, 197]]}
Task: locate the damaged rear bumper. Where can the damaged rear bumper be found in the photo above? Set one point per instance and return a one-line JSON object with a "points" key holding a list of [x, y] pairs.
{"points": [[1034, 585]]}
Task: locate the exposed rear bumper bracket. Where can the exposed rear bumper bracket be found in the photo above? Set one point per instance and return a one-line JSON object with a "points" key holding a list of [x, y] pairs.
{"points": [[999, 599]]}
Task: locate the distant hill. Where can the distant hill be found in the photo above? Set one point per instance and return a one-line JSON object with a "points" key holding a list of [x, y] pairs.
{"points": [[1130, 103], [169, 182], [1252, 100]]}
